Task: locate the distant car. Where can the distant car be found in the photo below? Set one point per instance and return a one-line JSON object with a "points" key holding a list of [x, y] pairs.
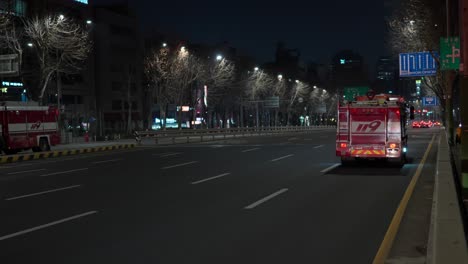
{"points": [[437, 123], [416, 124], [426, 124]]}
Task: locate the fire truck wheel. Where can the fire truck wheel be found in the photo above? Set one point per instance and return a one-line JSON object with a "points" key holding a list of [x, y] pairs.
{"points": [[44, 144], [10, 151]]}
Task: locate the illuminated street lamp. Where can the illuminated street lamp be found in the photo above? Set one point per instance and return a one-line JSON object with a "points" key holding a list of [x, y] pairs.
{"points": [[315, 86], [61, 17], [182, 49], [256, 69], [164, 45], [219, 57], [89, 22], [297, 81], [30, 44], [280, 77]]}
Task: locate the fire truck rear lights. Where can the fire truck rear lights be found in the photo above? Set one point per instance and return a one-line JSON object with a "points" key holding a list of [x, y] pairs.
{"points": [[393, 146], [343, 145]]}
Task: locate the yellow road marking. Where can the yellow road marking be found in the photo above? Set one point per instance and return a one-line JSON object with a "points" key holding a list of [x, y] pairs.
{"points": [[392, 230]]}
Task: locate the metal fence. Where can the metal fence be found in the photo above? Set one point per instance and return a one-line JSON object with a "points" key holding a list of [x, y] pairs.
{"points": [[200, 135]]}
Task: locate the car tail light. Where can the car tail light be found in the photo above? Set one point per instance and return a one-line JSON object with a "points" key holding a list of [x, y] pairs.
{"points": [[393, 145], [343, 145]]}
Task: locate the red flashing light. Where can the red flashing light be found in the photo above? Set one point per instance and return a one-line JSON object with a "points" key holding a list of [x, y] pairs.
{"points": [[343, 145], [398, 112]]}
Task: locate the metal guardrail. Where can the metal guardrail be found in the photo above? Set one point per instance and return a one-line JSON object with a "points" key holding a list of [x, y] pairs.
{"points": [[222, 133]]}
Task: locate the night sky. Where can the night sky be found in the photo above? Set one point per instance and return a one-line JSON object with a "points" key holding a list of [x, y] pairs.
{"points": [[317, 28]]}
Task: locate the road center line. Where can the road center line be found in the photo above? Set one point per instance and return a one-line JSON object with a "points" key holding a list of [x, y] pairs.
{"points": [[40, 193], [319, 146], [47, 225], [179, 165], [63, 172], [284, 157], [392, 230], [330, 168], [211, 178], [271, 196], [20, 172], [248, 150], [106, 161]]}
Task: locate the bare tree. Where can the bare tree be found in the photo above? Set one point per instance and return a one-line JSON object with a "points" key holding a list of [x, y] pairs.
{"points": [[219, 77], [185, 70], [158, 73], [10, 37], [61, 46], [417, 26], [299, 90]]}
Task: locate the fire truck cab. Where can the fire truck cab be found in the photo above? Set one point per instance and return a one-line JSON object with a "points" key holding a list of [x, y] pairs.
{"points": [[373, 127], [27, 126]]}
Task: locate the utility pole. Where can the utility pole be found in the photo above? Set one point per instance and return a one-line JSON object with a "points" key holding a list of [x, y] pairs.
{"points": [[463, 16]]}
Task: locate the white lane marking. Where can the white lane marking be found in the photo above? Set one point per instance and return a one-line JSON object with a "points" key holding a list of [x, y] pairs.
{"points": [[106, 161], [170, 154], [47, 225], [248, 150], [44, 192], [211, 178], [319, 146], [330, 168], [291, 139], [179, 165], [284, 157], [259, 202], [20, 172], [63, 172]]}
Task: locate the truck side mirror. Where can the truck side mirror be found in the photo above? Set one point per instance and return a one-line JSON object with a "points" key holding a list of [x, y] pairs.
{"points": [[411, 112]]}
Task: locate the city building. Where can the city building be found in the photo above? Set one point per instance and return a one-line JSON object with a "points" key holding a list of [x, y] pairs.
{"points": [[118, 59], [347, 69]]}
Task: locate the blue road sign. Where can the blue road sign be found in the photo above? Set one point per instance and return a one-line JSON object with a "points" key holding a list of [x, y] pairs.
{"points": [[417, 64], [429, 101]]}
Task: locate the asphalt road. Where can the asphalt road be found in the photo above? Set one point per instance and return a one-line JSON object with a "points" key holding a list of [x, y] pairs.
{"points": [[280, 199]]}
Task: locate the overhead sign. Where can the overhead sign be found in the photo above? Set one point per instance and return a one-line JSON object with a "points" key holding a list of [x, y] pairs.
{"points": [[272, 102], [418, 64], [429, 101], [349, 93], [450, 53]]}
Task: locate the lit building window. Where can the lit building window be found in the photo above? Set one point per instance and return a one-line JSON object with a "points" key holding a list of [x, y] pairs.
{"points": [[82, 1]]}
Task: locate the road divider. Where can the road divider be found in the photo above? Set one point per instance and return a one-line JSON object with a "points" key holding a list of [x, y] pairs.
{"points": [[179, 165], [211, 178], [60, 153], [249, 150], [47, 225], [41, 193], [284, 157], [330, 168], [63, 172], [106, 161], [263, 200]]}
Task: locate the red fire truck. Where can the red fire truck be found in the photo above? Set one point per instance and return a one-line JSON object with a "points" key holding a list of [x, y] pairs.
{"points": [[27, 126], [373, 127]]}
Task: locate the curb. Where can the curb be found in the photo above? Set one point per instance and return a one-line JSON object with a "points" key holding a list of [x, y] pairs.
{"points": [[447, 242], [60, 153]]}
